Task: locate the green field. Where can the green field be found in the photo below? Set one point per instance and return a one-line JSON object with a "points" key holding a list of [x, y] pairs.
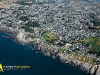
{"points": [[49, 37], [94, 42]]}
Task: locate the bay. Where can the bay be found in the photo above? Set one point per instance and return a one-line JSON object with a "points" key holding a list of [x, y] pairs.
{"points": [[15, 54]]}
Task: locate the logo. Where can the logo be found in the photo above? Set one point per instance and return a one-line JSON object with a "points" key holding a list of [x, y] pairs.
{"points": [[4, 68], [1, 68]]}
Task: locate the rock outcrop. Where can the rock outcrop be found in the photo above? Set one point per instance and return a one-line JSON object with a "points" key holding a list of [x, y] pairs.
{"points": [[88, 68], [21, 37], [93, 69], [98, 70]]}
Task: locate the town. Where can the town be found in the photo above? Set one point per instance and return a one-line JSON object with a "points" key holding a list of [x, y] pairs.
{"points": [[71, 29]]}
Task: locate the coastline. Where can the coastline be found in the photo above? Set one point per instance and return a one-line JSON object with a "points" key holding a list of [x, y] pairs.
{"points": [[21, 36], [66, 59]]}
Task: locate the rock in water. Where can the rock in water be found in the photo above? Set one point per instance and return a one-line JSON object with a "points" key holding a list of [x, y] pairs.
{"points": [[98, 70], [93, 69]]}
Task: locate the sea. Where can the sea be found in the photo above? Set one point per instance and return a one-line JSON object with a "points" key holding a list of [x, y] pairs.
{"points": [[97, 0], [14, 54]]}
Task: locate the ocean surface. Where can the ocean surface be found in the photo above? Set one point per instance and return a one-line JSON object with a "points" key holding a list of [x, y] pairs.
{"points": [[15, 54], [97, 0]]}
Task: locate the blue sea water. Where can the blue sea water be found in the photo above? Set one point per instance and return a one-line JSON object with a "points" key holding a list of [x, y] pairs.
{"points": [[97, 0], [14, 54]]}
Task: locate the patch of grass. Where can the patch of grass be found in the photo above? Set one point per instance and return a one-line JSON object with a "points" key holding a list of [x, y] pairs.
{"points": [[82, 58], [75, 56], [86, 59], [92, 60], [49, 37], [94, 42], [77, 41], [61, 50]]}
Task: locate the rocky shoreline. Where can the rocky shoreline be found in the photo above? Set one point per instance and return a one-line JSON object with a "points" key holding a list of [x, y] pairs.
{"points": [[66, 59], [68, 32], [90, 69]]}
